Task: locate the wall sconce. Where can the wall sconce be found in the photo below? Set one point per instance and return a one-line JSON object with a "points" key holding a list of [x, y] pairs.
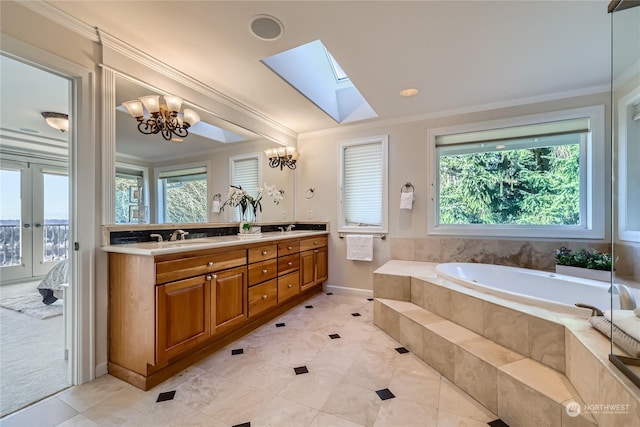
{"points": [[282, 156], [164, 119], [57, 120]]}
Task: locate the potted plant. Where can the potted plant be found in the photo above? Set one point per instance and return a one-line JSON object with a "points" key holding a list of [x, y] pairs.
{"points": [[587, 263]]}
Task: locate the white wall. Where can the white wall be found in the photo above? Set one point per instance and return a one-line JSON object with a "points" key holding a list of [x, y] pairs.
{"points": [[318, 168]]}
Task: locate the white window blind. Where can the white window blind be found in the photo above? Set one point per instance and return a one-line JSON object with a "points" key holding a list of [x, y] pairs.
{"points": [[362, 184], [245, 173]]}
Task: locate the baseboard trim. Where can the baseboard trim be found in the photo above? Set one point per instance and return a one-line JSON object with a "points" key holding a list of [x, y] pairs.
{"points": [[343, 290], [101, 369]]}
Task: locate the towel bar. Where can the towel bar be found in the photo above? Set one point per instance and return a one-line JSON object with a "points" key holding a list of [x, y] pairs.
{"points": [[377, 236]]}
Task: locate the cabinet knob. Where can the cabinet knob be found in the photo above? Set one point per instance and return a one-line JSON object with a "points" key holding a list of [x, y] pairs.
{"points": [[289, 247], [209, 277], [315, 243], [264, 252], [316, 251], [264, 296], [289, 285], [289, 263], [210, 264], [264, 271]]}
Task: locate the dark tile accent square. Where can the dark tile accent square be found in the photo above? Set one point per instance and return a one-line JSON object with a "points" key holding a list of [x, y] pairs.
{"points": [[334, 336], [498, 423], [237, 351], [308, 306], [355, 314], [301, 370], [369, 299], [167, 395], [402, 350], [385, 394], [243, 425], [280, 325], [329, 293]]}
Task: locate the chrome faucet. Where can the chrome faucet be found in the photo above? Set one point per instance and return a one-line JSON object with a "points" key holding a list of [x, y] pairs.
{"points": [[290, 227], [178, 235], [158, 237], [627, 300]]}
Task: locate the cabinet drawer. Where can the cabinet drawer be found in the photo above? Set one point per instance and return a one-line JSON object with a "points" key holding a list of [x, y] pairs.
{"points": [[262, 297], [261, 271], [288, 286], [262, 253], [287, 264], [313, 243], [168, 271], [288, 248]]}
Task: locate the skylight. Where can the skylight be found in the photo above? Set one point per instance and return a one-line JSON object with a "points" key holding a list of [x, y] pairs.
{"points": [[314, 72]]}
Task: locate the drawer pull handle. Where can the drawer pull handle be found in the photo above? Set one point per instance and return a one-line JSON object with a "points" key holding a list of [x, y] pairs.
{"points": [[289, 263], [264, 252], [289, 247], [210, 264], [264, 296], [289, 286], [264, 271]]}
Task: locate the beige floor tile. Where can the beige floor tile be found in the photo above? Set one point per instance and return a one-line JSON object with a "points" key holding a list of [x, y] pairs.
{"points": [[119, 408], [421, 388], [86, 395], [447, 419], [78, 421], [237, 404], [353, 403], [312, 389], [169, 414], [399, 412], [200, 420], [327, 420], [282, 412]]}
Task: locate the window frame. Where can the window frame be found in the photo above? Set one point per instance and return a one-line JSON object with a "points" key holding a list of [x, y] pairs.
{"points": [[234, 216], [383, 140], [145, 185], [160, 198], [592, 173]]}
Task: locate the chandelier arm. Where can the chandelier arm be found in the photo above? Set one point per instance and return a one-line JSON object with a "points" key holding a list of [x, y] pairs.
{"points": [[147, 127], [292, 165], [166, 134], [180, 132]]}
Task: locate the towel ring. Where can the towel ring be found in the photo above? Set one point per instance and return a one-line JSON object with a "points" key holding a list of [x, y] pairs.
{"points": [[310, 193], [217, 197], [407, 188]]}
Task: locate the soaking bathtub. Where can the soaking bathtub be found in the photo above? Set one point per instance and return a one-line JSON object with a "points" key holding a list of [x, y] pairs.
{"points": [[548, 290]]}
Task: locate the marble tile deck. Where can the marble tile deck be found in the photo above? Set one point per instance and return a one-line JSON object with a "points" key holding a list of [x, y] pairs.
{"points": [[262, 386]]}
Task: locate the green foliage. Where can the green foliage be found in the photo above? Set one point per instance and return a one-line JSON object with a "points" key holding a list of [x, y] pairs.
{"points": [[187, 202], [538, 186], [584, 258]]}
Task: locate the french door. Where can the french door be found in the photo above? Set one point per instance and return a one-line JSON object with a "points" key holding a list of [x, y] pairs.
{"points": [[34, 218]]}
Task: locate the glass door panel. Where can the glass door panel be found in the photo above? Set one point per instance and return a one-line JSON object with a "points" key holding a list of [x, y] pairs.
{"points": [[15, 221]]}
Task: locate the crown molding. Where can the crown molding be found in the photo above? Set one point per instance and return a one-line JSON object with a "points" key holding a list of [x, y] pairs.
{"points": [[62, 18], [148, 61], [458, 111]]}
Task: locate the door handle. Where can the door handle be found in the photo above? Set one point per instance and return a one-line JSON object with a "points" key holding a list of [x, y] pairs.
{"points": [[37, 225], [26, 225]]}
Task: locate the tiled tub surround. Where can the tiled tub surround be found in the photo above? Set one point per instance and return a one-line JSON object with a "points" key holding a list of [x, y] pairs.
{"points": [[522, 362]]}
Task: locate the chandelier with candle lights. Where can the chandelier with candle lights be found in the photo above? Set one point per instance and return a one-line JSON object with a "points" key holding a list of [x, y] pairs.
{"points": [[282, 156], [164, 119]]}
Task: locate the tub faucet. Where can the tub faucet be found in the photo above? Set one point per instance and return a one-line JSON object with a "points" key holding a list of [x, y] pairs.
{"points": [[178, 235], [627, 300]]}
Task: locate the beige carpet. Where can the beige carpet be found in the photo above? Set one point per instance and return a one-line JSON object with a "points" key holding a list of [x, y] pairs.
{"points": [[32, 363], [31, 304]]}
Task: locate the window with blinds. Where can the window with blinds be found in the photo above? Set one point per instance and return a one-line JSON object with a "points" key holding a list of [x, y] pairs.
{"points": [[183, 195], [363, 185], [245, 173], [535, 176]]}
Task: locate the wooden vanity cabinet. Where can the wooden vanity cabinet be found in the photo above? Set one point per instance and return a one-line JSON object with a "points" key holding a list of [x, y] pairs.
{"points": [[168, 311], [313, 262]]}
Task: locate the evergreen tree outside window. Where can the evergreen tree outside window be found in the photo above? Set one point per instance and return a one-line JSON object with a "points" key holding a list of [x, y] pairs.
{"points": [[183, 195], [541, 178]]}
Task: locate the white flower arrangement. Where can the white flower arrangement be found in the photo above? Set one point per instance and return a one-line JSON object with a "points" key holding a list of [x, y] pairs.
{"points": [[237, 196]]}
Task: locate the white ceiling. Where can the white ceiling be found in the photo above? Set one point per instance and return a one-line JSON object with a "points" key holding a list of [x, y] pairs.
{"points": [[460, 55]]}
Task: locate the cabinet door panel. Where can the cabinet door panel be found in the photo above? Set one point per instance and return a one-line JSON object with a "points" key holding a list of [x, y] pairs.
{"points": [[307, 270], [322, 264], [182, 316], [229, 299]]}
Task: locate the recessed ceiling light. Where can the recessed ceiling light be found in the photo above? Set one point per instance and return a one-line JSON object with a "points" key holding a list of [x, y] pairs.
{"points": [[409, 92], [266, 27]]}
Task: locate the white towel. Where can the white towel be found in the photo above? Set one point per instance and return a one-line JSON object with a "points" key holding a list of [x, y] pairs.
{"points": [[360, 247], [626, 320], [406, 200], [215, 206]]}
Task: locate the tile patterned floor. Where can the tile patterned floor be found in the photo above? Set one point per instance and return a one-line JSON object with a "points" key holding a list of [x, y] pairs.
{"points": [[323, 367]]}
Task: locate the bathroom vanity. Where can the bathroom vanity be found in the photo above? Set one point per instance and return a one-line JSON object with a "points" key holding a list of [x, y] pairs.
{"points": [[173, 303]]}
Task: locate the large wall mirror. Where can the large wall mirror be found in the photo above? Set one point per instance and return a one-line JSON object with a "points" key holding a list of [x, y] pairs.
{"points": [[149, 180]]}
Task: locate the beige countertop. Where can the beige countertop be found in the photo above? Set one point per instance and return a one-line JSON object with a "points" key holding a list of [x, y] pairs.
{"points": [[162, 248]]}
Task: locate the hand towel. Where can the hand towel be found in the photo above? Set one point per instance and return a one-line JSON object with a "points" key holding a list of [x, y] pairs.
{"points": [[215, 206], [360, 247], [406, 200]]}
